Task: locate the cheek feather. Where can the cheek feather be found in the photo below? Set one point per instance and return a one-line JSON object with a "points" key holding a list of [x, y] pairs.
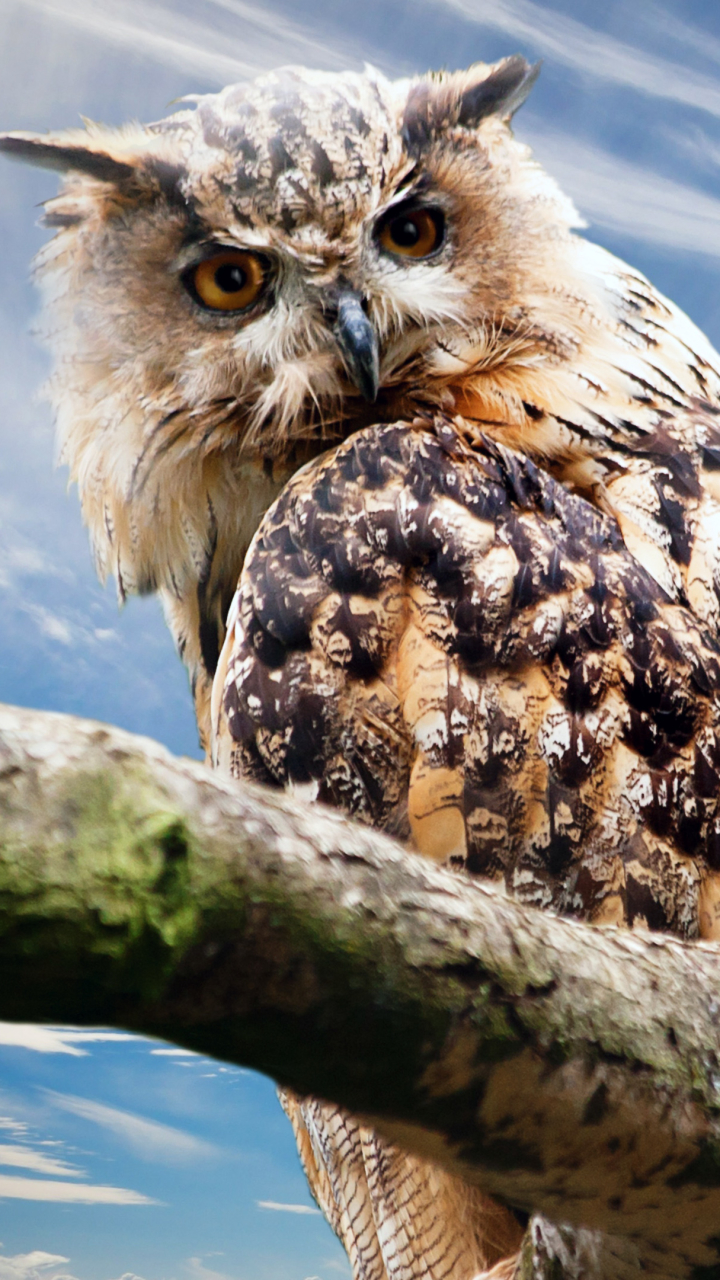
{"points": [[290, 329], [419, 294], [284, 402]]}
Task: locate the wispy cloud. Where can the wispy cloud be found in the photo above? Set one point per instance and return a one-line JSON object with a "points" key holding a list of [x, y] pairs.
{"points": [[40, 1265], [698, 146], [147, 1139], [593, 53], [25, 1035], [36, 1265], [196, 1269], [285, 1208], [19, 1157], [52, 626], [21, 560], [625, 197], [199, 46], [700, 42], [10, 1125], [14, 1187], [173, 1053]]}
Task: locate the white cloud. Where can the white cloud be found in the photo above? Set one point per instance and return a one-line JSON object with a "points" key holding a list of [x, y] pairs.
{"points": [[13, 1126], [26, 1158], [696, 143], [196, 1269], [173, 1053], [72, 1036], [26, 559], [42, 1039], [285, 1208], [204, 46], [593, 53], [37, 1265], [13, 1187], [26, 1035], [148, 1139], [627, 198], [682, 33], [51, 626]]}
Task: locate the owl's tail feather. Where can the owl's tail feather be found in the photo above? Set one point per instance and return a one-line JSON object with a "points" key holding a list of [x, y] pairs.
{"points": [[399, 1217]]}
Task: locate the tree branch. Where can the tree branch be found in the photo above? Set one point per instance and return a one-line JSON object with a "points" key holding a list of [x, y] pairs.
{"points": [[570, 1071]]}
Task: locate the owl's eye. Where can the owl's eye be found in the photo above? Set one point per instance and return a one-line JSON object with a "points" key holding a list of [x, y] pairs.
{"points": [[413, 233], [229, 280]]}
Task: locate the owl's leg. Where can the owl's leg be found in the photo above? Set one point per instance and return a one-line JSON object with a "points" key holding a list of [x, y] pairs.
{"points": [[399, 1217]]}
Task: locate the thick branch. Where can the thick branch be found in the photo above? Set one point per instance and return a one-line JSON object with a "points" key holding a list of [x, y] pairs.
{"points": [[568, 1070]]}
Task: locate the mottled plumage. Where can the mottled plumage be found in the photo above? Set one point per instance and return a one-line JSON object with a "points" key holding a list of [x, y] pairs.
{"points": [[480, 458], [450, 645]]}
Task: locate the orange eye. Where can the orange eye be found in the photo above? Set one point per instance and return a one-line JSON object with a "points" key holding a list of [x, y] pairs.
{"points": [[231, 280], [414, 233]]}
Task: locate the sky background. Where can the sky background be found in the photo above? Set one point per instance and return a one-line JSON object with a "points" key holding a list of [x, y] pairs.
{"points": [[120, 1157]]}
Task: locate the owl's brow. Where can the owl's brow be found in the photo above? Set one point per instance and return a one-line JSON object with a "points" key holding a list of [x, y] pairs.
{"points": [[172, 182], [411, 177]]}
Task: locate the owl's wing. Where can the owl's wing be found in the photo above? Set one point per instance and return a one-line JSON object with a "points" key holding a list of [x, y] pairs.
{"points": [[448, 644], [398, 1216]]}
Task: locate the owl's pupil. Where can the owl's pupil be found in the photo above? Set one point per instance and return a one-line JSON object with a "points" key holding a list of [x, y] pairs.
{"points": [[230, 277], [405, 233]]}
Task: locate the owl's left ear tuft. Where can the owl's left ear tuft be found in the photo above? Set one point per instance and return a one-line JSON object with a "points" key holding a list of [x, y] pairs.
{"points": [[67, 153], [466, 98]]}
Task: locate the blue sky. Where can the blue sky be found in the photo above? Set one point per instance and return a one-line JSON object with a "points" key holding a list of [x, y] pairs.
{"points": [[122, 1157], [117, 1160]]}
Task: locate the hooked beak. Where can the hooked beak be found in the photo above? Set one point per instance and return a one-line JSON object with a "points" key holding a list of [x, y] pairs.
{"points": [[358, 343]]}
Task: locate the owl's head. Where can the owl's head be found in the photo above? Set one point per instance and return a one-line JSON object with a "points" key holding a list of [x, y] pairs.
{"points": [[268, 269]]}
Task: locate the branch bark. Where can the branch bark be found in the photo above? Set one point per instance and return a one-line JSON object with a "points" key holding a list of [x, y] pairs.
{"points": [[570, 1071]]}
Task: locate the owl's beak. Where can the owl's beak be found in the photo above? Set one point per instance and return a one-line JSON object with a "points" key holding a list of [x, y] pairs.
{"points": [[358, 343]]}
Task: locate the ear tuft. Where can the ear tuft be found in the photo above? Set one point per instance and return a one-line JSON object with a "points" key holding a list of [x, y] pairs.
{"points": [[465, 98], [500, 93], [58, 153]]}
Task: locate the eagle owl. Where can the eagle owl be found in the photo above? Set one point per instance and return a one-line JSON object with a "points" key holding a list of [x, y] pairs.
{"points": [[429, 486]]}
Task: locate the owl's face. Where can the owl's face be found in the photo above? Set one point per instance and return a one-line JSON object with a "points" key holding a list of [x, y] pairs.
{"points": [[296, 260], [284, 251], [237, 285]]}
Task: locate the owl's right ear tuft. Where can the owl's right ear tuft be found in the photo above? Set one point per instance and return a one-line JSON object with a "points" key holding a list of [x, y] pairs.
{"points": [[499, 93], [67, 154], [465, 98]]}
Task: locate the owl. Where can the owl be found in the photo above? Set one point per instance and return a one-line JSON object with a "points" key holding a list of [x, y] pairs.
{"points": [[429, 486]]}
